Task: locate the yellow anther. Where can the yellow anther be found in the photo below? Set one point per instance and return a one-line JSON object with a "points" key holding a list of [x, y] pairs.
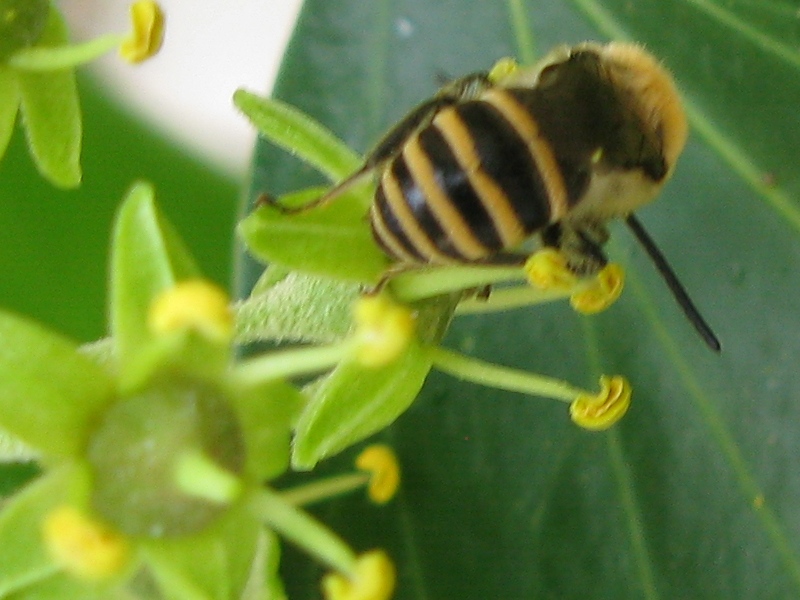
{"points": [[373, 579], [601, 292], [147, 34], [82, 546], [547, 269], [192, 304], [381, 462], [502, 69], [383, 330], [601, 411]]}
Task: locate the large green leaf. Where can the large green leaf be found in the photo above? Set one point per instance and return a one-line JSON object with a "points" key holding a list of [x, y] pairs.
{"points": [[695, 494]]}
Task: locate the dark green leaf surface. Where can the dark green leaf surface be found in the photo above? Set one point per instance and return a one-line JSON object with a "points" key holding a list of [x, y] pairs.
{"points": [[695, 494]]}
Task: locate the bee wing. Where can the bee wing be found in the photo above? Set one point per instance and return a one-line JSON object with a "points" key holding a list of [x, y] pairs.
{"points": [[391, 144]]}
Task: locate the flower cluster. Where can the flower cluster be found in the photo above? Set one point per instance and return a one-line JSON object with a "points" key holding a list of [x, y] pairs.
{"points": [[156, 444]]}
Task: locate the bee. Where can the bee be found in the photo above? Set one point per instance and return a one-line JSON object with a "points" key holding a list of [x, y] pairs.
{"points": [[591, 133]]}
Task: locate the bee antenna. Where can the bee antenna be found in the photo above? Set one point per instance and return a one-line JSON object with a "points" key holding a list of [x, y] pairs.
{"points": [[678, 291]]}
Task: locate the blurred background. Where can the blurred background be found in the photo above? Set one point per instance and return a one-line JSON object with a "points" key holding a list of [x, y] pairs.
{"points": [[211, 48], [170, 121]]}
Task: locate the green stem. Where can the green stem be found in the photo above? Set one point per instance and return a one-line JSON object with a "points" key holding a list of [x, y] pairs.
{"points": [[509, 298], [417, 285], [505, 378], [324, 489], [300, 528], [52, 58], [295, 362], [523, 34]]}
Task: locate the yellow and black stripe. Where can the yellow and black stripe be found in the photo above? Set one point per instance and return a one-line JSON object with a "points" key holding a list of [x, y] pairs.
{"points": [[468, 175], [477, 180], [465, 178]]}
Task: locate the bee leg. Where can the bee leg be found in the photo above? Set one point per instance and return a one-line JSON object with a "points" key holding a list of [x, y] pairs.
{"points": [[329, 196], [581, 245], [265, 199], [390, 273], [483, 293]]}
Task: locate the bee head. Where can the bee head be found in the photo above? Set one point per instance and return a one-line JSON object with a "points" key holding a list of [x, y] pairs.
{"points": [[650, 92]]}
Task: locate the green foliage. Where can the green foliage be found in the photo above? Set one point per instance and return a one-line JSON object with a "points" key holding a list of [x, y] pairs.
{"points": [[693, 494], [25, 563], [200, 567], [49, 105], [22, 24], [48, 392], [148, 258], [37, 78], [173, 458], [355, 402], [296, 133], [331, 241]]}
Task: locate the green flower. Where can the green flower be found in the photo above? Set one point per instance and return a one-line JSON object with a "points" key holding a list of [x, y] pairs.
{"points": [[155, 444], [37, 77]]}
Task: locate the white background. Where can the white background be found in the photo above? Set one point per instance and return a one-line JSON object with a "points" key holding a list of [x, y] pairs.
{"points": [[211, 48]]}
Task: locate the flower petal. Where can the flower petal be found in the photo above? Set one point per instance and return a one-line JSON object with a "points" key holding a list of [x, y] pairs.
{"points": [[49, 393], [147, 257], [49, 103]]}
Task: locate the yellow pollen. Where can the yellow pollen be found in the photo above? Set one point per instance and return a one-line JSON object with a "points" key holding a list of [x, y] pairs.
{"points": [[503, 68], [601, 292], [193, 304], [82, 546], [381, 463], [601, 411], [373, 579], [547, 269], [148, 32], [383, 330]]}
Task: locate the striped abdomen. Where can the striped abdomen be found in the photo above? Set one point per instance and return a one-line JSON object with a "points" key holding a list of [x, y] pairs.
{"points": [[477, 180]]}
